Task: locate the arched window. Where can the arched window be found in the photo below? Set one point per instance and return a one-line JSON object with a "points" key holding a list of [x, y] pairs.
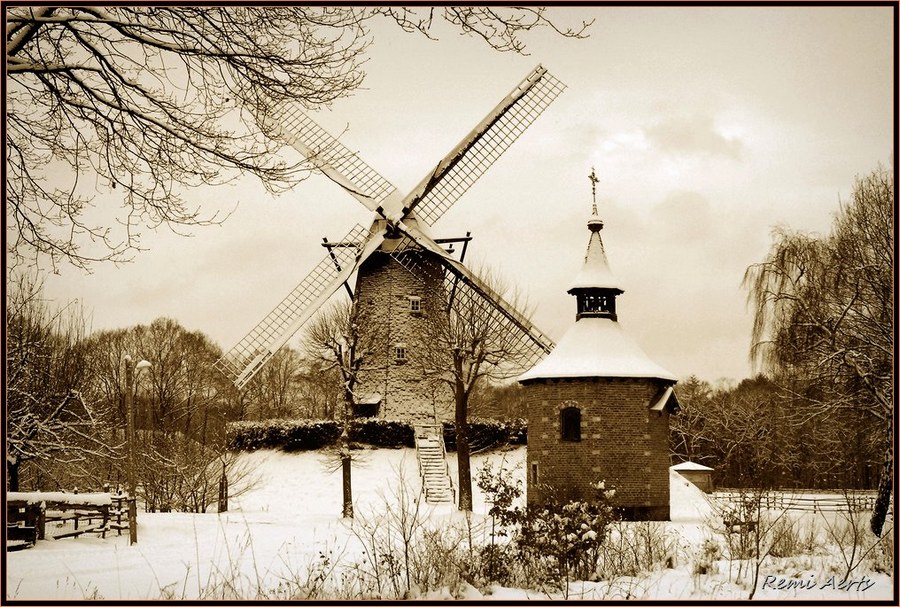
{"points": [[570, 424]]}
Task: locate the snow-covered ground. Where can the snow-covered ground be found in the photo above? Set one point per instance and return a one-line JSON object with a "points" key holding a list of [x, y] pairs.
{"points": [[288, 528]]}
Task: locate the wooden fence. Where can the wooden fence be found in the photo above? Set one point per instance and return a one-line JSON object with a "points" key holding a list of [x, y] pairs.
{"points": [[858, 501], [28, 515]]}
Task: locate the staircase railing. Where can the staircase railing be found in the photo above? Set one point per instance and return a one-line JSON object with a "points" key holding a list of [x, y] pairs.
{"points": [[440, 434], [419, 461], [437, 429]]}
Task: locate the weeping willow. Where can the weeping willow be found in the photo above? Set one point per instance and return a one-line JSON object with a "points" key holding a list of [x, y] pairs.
{"points": [[823, 313]]}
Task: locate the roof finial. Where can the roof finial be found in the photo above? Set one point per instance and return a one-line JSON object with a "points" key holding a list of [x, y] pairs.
{"points": [[594, 182], [595, 224]]}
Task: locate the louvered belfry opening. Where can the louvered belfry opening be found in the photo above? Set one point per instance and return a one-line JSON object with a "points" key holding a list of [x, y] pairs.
{"points": [[598, 303]]}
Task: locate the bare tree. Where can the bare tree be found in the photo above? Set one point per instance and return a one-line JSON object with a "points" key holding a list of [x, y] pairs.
{"points": [[692, 434], [275, 391], [462, 346], [180, 409], [47, 418], [146, 101], [824, 313], [343, 339], [319, 390]]}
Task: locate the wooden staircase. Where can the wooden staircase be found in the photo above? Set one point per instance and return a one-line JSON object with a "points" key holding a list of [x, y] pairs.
{"points": [[431, 453]]}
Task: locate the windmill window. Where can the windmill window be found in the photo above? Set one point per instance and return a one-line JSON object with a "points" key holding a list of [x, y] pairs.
{"points": [[399, 353], [415, 305], [570, 424]]}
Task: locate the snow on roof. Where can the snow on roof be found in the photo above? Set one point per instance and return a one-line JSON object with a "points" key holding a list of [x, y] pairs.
{"points": [[595, 273], [666, 400], [36, 497], [596, 347], [690, 466]]}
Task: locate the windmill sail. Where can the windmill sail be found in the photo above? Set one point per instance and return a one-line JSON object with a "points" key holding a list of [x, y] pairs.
{"points": [[243, 361], [527, 345], [430, 199], [469, 160], [468, 294], [331, 157]]}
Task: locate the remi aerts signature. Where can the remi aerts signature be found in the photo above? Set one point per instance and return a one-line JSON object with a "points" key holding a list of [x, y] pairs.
{"points": [[777, 582]]}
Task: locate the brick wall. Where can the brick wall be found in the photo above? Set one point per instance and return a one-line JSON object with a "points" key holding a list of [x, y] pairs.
{"points": [[383, 290], [622, 442]]}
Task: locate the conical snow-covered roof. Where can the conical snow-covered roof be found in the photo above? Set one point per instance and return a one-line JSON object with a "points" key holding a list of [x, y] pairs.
{"points": [[595, 273], [596, 347]]}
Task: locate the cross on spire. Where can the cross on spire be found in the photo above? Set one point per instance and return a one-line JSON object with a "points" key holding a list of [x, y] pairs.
{"points": [[594, 182]]}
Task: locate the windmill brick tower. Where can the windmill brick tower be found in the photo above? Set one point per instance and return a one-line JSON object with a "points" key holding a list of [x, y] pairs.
{"points": [[399, 302], [598, 407]]}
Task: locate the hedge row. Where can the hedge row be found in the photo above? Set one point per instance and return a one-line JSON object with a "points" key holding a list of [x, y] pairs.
{"points": [[287, 435], [489, 433], [304, 435]]}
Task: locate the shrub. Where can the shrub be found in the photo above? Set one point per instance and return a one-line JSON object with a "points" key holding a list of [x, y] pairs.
{"points": [[487, 434], [635, 547], [382, 433], [563, 540], [787, 539], [303, 435], [288, 435], [709, 553], [550, 544]]}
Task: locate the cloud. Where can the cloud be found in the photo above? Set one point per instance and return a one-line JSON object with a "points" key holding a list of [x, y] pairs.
{"points": [[693, 135], [685, 214]]}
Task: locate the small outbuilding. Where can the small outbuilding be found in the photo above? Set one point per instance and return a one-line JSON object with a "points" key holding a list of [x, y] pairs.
{"points": [[598, 406], [697, 474]]}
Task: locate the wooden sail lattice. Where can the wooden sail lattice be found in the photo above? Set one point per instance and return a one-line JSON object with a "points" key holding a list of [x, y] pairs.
{"points": [[453, 177], [242, 361], [330, 156]]}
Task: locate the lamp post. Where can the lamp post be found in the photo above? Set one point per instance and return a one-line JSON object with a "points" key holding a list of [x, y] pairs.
{"points": [[129, 441]]}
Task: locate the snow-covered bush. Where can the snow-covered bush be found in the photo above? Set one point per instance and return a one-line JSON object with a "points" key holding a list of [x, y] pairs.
{"points": [[551, 544], [284, 434], [501, 491], [563, 540]]}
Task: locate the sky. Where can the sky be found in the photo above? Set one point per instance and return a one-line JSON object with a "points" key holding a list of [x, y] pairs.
{"points": [[707, 127]]}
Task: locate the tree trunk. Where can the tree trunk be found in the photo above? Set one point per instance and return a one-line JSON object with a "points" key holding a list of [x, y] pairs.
{"points": [[885, 486], [462, 452], [346, 486], [12, 474], [223, 491]]}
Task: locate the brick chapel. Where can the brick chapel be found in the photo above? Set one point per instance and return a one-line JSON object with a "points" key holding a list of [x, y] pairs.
{"points": [[598, 407]]}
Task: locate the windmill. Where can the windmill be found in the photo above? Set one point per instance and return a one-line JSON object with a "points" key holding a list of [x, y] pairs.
{"points": [[398, 239]]}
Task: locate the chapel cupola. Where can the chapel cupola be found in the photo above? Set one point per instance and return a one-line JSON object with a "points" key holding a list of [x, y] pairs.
{"points": [[595, 287]]}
